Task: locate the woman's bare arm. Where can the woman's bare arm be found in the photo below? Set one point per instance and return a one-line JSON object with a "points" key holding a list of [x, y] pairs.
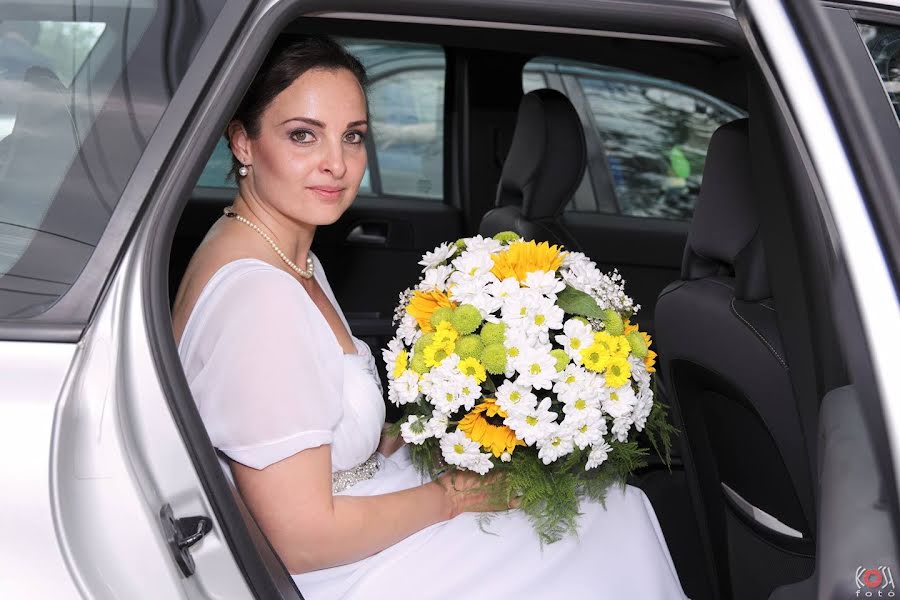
{"points": [[311, 529]]}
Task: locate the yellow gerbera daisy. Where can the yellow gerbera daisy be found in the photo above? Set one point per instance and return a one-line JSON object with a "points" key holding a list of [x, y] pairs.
{"points": [[617, 372], [436, 352], [423, 304], [495, 438], [521, 258], [445, 333]]}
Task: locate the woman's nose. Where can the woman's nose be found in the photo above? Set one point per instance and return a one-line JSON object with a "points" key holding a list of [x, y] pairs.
{"points": [[333, 160]]}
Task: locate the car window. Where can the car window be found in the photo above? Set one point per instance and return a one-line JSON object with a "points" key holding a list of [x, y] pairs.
{"points": [[883, 42], [406, 103], [81, 91], [647, 138]]}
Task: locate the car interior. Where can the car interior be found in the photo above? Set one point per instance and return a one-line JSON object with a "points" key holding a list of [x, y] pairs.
{"points": [[598, 142]]}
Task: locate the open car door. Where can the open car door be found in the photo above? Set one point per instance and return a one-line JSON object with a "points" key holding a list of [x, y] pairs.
{"points": [[830, 68]]}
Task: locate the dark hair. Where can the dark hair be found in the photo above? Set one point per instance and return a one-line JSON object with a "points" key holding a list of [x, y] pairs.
{"points": [[284, 64]]}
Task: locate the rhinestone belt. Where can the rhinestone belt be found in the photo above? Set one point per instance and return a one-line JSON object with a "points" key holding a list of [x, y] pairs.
{"points": [[341, 480]]}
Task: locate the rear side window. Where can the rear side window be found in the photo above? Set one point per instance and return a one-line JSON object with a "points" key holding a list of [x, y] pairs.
{"points": [[406, 103], [647, 137], [883, 43], [81, 92]]}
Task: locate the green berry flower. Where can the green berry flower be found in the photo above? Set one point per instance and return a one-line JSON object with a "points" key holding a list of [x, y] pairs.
{"points": [[422, 342], [506, 236], [637, 343], [466, 319], [613, 322], [418, 363], [493, 357], [469, 346], [442, 313], [562, 359], [493, 333]]}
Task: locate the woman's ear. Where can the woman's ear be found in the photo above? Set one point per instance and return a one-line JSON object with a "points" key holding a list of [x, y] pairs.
{"points": [[240, 142]]}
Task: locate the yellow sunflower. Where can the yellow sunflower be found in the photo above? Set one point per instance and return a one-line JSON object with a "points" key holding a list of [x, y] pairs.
{"points": [[496, 438], [423, 304], [521, 258]]}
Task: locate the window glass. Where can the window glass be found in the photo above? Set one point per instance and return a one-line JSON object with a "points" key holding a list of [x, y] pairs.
{"points": [[81, 91], [883, 42], [647, 138], [532, 80]]}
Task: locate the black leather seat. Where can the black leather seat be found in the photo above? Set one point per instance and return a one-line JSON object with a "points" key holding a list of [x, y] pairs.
{"points": [[724, 366], [545, 164]]}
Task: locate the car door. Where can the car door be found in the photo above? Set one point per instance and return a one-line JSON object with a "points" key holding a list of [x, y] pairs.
{"points": [[832, 69], [646, 143]]}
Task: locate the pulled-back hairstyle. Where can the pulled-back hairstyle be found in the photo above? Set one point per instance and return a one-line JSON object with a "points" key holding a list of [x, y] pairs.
{"points": [[285, 63]]}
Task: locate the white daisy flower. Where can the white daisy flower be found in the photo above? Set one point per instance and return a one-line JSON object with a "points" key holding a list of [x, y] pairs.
{"points": [[577, 335], [435, 278], [572, 379], [642, 407], [513, 398], [543, 315], [415, 430], [408, 330], [533, 425], [536, 368], [620, 401], [517, 307], [473, 264], [482, 244], [460, 451], [437, 256], [509, 287], [556, 444], [472, 290], [404, 389], [587, 433], [545, 282], [582, 406], [598, 455], [516, 344], [621, 426], [390, 354], [437, 425]]}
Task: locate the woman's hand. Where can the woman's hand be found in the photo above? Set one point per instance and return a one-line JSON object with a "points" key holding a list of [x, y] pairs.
{"points": [[469, 492], [389, 443]]}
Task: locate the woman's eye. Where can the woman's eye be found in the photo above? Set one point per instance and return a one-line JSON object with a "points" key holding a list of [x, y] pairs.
{"points": [[355, 137], [302, 136]]}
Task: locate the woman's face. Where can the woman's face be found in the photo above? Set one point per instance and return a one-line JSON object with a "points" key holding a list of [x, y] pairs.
{"points": [[310, 156]]}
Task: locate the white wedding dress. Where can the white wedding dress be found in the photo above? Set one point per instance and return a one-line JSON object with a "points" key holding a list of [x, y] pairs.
{"points": [[271, 380]]}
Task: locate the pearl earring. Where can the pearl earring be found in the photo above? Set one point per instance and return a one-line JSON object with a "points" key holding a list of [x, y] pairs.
{"points": [[243, 171]]}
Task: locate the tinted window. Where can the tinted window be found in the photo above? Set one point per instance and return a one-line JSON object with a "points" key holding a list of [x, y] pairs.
{"points": [[883, 42], [647, 138], [406, 145], [82, 89]]}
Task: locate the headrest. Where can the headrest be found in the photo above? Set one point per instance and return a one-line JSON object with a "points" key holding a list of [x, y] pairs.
{"points": [[724, 238], [547, 158]]}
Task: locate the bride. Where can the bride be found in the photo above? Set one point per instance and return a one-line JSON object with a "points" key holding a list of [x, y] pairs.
{"points": [[293, 401]]}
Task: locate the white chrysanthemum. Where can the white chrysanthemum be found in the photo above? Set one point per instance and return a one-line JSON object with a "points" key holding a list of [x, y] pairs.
{"points": [[582, 405], [621, 426], [587, 433], [533, 425], [437, 425], [577, 335], [473, 290], [536, 368], [557, 443], [415, 430], [518, 307], [639, 370], [598, 455], [408, 330], [547, 283], [404, 389], [390, 354], [642, 407], [620, 401], [473, 263], [482, 244], [460, 451], [435, 279], [571, 379], [509, 287], [516, 344], [437, 256], [542, 316], [513, 398]]}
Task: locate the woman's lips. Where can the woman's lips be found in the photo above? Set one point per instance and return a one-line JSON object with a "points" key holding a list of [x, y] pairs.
{"points": [[327, 192]]}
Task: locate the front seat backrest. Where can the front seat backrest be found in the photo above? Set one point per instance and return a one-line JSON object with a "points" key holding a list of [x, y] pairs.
{"points": [[723, 362], [545, 164]]}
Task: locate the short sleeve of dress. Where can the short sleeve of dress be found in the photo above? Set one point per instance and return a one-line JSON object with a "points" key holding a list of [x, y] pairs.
{"points": [[266, 382]]}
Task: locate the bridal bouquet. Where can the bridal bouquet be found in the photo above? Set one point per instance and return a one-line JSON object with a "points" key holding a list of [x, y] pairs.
{"points": [[520, 357]]}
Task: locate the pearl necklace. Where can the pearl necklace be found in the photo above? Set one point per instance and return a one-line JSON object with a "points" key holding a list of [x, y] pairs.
{"points": [[310, 266]]}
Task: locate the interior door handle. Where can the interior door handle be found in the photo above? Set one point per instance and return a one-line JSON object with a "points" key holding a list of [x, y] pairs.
{"points": [[373, 234]]}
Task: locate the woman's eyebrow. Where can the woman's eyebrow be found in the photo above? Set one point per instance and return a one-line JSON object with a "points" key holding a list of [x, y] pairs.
{"points": [[320, 124]]}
